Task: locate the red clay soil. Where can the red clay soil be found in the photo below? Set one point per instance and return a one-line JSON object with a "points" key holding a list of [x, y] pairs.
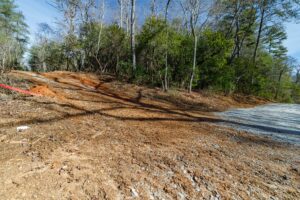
{"points": [[90, 138], [43, 91]]}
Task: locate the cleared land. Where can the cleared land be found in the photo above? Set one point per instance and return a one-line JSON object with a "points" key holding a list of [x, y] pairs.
{"points": [[95, 138]]}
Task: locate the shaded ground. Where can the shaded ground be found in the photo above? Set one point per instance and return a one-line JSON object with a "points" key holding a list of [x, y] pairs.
{"points": [[92, 138]]}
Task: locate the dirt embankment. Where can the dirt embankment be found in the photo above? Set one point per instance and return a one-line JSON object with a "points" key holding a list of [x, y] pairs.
{"points": [[95, 138]]}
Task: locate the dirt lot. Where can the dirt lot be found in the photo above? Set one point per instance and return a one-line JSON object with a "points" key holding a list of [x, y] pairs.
{"points": [[95, 138]]}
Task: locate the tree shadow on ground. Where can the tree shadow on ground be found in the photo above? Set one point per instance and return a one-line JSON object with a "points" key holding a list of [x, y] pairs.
{"points": [[119, 102]]}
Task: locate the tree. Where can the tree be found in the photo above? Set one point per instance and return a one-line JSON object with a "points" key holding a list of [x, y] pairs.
{"points": [[43, 38], [213, 51], [121, 4], [53, 56], [224, 45], [193, 9], [297, 77], [296, 85], [152, 47], [101, 21], [70, 11], [132, 36], [13, 35], [166, 84], [273, 11]]}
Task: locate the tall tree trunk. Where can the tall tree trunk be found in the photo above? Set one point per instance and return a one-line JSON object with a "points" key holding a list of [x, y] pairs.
{"points": [[297, 77], [166, 85], [121, 13], [153, 6], [82, 60], [132, 36], [278, 84], [127, 16], [194, 62], [99, 38], [68, 64], [100, 31], [127, 26], [261, 24], [3, 63], [44, 66], [236, 49]]}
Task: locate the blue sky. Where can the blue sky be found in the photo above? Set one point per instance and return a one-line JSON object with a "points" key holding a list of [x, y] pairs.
{"points": [[39, 11], [293, 41], [36, 12]]}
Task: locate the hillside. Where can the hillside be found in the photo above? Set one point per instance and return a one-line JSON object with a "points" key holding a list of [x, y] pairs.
{"points": [[92, 137]]}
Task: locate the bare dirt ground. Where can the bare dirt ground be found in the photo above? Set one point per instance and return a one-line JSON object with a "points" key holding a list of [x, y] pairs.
{"points": [[95, 138]]}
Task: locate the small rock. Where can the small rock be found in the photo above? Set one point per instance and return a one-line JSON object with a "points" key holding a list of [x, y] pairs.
{"points": [[22, 128], [134, 193], [285, 177]]}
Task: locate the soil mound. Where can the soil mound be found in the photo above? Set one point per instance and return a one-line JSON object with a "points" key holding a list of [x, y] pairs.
{"points": [[43, 91]]}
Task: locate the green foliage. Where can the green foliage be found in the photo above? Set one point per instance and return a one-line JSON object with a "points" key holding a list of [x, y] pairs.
{"points": [[242, 51], [151, 49], [113, 48], [106, 47], [13, 35], [180, 54], [51, 54], [213, 51], [295, 93], [156, 41]]}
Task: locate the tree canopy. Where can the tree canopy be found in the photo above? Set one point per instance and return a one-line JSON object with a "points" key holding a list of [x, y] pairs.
{"points": [[13, 35], [229, 46]]}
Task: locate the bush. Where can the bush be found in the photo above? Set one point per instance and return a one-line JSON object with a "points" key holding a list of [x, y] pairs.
{"points": [[213, 51]]}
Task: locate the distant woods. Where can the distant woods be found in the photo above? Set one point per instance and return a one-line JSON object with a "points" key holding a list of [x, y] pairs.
{"points": [[229, 46], [13, 35]]}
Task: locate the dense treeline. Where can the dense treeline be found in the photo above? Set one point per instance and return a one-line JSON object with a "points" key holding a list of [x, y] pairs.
{"points": [[221, 45], [13, 35]]}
